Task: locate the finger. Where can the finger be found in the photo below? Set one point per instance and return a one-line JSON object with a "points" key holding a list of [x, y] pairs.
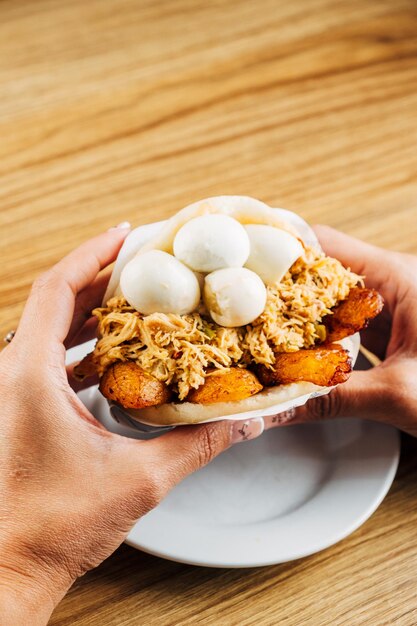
{"points": [[86, 333], [377, 335], [50, 307], [382, 268], [361, 396], [79, 385], [89, 298], [174, 456]]}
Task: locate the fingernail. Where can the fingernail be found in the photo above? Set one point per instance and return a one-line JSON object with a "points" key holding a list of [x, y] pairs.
{"points": [[244, 430], [121, 226]]}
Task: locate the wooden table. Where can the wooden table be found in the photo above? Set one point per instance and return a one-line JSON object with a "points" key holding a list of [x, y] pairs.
{"points": [[130, 110]]}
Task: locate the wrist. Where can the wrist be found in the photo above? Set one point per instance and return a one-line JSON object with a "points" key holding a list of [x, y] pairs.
{"points": [[20, 606], [28, 596]]}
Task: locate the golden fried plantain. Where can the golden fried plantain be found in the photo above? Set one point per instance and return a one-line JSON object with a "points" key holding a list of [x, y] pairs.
{"points": [[132, 387], [228, 385], [353, 314], [325, 366]]}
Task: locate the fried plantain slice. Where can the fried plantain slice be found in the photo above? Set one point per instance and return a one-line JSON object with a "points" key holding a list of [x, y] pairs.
{"points": [[132, 387], [353, 314], [325, 366], [228, 385]]}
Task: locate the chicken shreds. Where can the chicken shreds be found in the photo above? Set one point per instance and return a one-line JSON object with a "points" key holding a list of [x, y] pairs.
{"points": [[132, 387], [325, 366], [353, 314], [178, 350], [317, 302], [229, 385]]}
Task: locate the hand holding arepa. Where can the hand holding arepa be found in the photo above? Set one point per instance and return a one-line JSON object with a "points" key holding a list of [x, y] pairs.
{"points": [[71, 490], [387, 392]]}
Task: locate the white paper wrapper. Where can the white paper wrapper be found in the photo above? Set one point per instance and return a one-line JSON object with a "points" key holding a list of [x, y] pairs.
{"points": [[274, 400]]}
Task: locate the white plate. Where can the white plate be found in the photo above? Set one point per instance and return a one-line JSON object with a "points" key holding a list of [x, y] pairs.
{"points": [[290, 493]]}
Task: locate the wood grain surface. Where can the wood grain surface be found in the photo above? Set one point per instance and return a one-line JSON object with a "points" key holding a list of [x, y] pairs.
{"points": [[130, 109]]}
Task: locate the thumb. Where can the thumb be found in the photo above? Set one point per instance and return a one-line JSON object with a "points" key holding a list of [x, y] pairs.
{"points": [[154, 467], [361, 396], [380, 267]]}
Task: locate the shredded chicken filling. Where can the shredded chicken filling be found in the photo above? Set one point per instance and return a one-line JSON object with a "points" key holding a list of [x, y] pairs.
{"points": [[181, 350]]}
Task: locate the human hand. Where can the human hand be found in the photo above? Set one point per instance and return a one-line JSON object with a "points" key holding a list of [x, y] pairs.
{"points": [[388, 392], [70, 490]]}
